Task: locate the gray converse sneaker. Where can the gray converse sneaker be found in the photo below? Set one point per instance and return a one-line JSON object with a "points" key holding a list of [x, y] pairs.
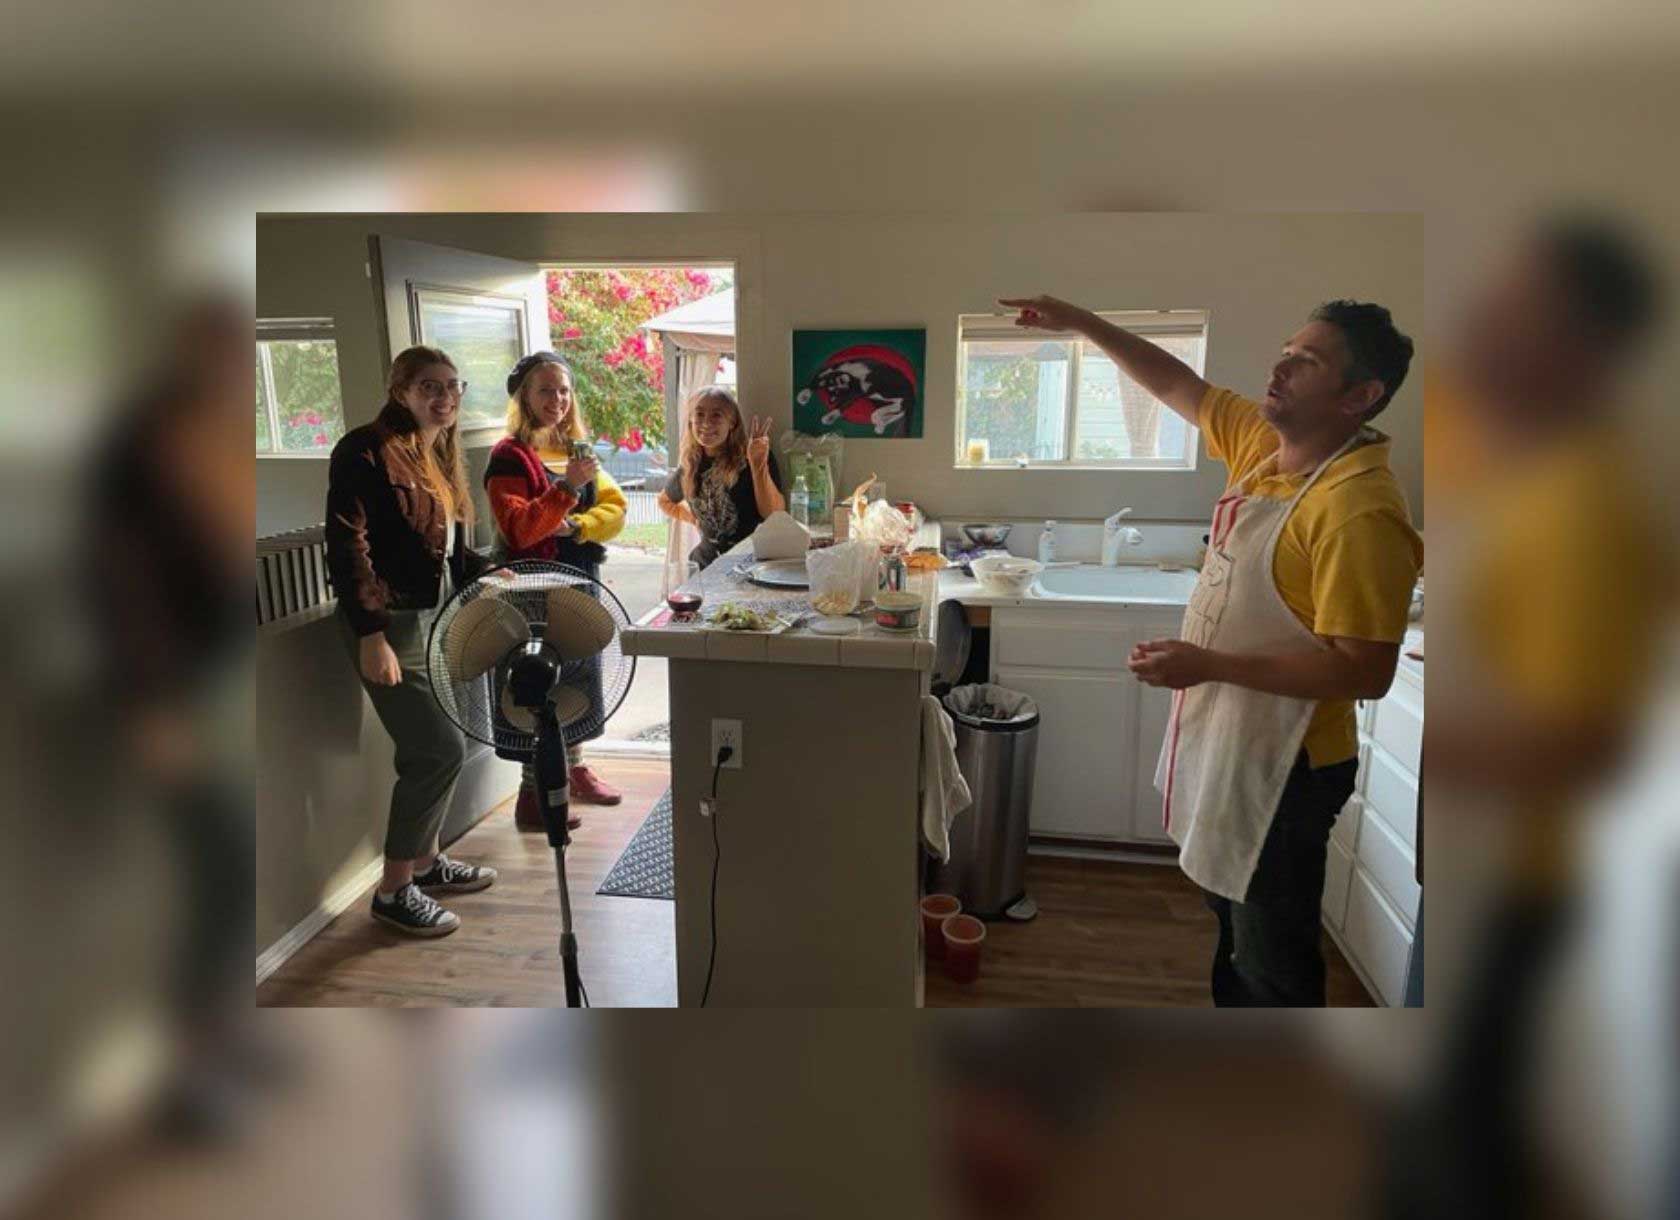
{"points": [[448, 876], [414, 912]]}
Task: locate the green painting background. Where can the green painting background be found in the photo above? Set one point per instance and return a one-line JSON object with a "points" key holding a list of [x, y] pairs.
{"points": [[812, 347]]}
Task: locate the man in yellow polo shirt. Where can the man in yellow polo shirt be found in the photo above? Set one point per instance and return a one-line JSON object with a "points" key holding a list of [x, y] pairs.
{"points": [[1299, 611]]}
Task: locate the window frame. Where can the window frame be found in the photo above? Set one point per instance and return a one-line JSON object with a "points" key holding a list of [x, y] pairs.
{"points": [[420, 295], [294, 330], [992, 327]]}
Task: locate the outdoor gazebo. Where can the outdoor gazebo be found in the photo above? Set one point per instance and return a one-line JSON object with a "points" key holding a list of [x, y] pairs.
{"points": [[695, 337]]}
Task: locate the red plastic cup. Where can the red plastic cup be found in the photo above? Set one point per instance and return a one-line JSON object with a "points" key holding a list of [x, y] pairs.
{"points": [[936, 909], [963, 935]]}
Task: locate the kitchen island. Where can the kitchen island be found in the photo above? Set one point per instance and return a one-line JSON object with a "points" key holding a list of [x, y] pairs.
{"points": [[818, 827]]}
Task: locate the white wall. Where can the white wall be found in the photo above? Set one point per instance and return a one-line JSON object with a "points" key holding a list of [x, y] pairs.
{"points": [[1258, 276]]}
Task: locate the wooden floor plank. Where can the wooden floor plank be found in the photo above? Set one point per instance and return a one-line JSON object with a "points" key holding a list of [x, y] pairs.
{"points": [[1109, 933]]}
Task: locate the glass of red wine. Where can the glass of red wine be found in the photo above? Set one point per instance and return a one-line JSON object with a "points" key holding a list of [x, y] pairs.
{"points": [[686, 598]]}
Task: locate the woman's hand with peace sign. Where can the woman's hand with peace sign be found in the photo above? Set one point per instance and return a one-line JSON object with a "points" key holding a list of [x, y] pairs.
{"points": [[758, 444]]}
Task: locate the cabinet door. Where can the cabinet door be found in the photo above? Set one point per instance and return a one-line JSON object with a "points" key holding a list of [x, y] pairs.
{"points": [[1377, 938], [1154, 709], [1081, 784]]}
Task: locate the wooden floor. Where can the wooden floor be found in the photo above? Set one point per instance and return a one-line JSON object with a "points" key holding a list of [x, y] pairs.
{"points": [[506, 951], [1108, 933]]}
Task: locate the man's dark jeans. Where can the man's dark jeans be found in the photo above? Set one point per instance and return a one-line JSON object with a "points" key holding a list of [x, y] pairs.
{"points": [[1268, 954]]}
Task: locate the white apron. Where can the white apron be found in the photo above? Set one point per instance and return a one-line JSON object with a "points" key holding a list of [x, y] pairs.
{"points": [[1229, 749]]}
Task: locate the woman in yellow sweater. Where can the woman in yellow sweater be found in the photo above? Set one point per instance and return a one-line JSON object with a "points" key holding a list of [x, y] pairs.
{"points": [[548, 505]]}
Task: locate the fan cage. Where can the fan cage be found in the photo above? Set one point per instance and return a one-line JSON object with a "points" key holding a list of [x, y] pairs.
{"points": [[475, 706]]}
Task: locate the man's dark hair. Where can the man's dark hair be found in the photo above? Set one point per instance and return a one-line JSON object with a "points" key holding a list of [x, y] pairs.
{"points": [[1376, 350], [1610, 281]]}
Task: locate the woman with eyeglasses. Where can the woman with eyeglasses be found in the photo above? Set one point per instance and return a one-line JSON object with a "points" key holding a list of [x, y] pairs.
{"points": [[550, 504], [397, 507]]}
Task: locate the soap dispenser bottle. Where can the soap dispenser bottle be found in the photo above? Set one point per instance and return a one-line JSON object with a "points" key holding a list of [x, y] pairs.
{"points": [[1047, 543]]}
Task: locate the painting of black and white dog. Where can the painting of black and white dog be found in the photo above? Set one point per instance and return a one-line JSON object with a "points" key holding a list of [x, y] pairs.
{"points": [[866, 389]]}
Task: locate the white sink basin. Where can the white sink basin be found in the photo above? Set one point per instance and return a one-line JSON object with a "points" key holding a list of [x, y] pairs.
{"points": [[1090, 583]]}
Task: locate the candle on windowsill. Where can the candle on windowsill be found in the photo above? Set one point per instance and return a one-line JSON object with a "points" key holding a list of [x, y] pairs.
{"points": [[978, 452]]}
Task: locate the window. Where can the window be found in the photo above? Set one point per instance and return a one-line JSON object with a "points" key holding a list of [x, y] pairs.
{"points": [[484, 333], [1056, 399], [300, 408]]}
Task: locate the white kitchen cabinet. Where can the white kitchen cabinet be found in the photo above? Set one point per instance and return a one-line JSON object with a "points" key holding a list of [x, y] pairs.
{"points": [[1338, 872], [1371, 892], [1154, 710], [1375, 939], [1082, 787], [1392, 792], [1101, 729]]}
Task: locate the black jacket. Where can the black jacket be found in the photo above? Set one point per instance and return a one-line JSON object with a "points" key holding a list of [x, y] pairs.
{"points": [[385, 529]]}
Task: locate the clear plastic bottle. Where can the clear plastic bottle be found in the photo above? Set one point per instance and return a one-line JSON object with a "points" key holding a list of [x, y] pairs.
{"points": [[821, 487], [1047, 543], [799, 500]]}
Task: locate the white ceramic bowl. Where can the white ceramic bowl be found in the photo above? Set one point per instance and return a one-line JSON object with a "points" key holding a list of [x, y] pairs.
{"points": [[1005, 575]]}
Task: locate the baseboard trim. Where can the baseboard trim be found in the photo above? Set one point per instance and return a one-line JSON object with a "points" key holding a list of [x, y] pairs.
{"points": [[601, 748], [1075, 849], [336, 903]]}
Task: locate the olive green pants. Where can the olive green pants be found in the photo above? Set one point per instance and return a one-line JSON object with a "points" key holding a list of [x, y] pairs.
{"points": [[429, 749]]}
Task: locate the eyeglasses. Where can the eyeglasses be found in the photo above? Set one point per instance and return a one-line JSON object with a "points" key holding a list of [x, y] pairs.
{"points": [[437, 389]]}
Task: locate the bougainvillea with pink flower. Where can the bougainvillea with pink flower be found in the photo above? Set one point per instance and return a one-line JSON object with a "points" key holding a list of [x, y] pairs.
{"points": [[619, 370]]}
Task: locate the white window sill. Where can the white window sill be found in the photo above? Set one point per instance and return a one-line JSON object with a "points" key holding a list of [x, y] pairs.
{"points": [[1012, 467]]}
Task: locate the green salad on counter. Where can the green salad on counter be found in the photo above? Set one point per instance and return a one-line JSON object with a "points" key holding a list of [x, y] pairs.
{"points": [[732, 616]]}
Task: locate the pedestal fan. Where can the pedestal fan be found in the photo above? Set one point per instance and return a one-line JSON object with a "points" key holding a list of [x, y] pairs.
{"points": [[524, 659]]}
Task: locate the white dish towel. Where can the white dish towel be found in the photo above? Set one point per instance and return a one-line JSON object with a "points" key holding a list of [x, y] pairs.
{"points": [[945, 792]]}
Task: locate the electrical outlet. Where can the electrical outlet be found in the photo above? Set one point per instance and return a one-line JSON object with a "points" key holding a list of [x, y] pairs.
{"points": [[727, 733]]}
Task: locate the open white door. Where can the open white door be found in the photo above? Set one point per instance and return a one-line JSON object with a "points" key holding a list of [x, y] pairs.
{"points": [[486, 312]]}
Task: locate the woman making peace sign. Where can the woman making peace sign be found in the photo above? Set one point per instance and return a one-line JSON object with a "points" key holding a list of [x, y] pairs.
{"points": [[708, 489]]}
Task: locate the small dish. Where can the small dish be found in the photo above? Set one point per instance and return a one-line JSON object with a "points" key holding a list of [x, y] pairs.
{"points": [[1005, 575]]}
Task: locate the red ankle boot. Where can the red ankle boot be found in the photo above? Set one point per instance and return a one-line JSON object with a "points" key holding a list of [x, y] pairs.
{"points": [[527, 814], [588, 788]]}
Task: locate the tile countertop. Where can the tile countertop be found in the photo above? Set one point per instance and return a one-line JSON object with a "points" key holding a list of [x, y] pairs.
{"points": [[724, 580]]}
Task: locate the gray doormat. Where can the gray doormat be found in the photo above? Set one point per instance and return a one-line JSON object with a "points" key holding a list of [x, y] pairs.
{"points": [[645, 869]]}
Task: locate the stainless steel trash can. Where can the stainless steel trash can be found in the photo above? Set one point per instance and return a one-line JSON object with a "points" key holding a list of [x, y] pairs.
{"points": [[997, 746]]}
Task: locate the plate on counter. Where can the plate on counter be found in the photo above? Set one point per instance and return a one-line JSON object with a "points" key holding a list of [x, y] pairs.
{"points": [[768, 624], [780, 573]]}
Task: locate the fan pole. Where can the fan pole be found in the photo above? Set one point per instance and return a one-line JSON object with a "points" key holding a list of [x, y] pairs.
{"points": [[554, 796]]}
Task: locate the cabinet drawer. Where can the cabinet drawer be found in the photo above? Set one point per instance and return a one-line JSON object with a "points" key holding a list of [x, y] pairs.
{"points": [[1377, 938], [1384, 857], [1345, 829], [1072, 640], [1338, 870], [1074, 648], [1391, 793], [1398, 725]]}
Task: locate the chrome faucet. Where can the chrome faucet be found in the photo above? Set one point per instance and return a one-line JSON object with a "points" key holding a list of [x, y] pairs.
{"points": [[1117, 534]]}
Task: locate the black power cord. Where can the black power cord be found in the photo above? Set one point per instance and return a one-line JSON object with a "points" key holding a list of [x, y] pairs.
{"points": [[724, 755]]}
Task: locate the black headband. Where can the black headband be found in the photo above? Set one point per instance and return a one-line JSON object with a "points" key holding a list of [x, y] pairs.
{"points": [[530, 362]]}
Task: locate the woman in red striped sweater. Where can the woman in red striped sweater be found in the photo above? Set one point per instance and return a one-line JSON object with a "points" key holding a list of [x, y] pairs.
{"points": [[550, 505]]}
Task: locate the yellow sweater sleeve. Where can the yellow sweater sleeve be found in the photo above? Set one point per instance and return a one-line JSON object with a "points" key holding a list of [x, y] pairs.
{"points": [[605, 521]]}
